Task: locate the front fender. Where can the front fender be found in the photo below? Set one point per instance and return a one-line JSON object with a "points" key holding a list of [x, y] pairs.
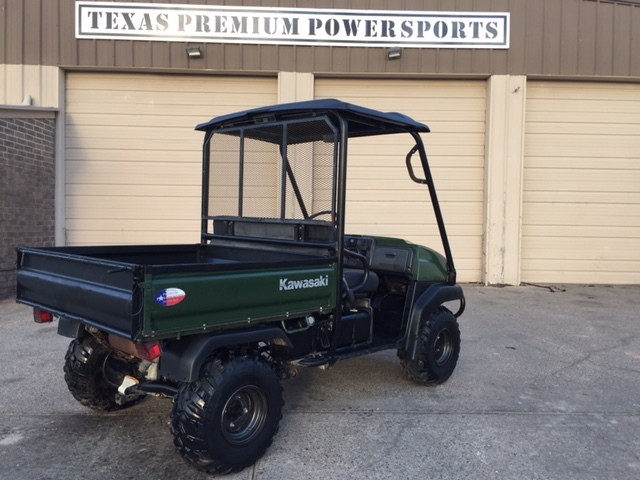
{"points": [[430, 300], [183, 359]]}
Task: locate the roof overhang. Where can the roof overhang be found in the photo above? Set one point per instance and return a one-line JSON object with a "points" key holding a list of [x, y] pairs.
{"points": [[361, 121]]}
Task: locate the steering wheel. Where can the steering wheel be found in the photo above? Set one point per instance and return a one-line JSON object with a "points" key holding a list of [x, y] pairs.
{"points": [[365, 268], [348, 294], [318, 214]]}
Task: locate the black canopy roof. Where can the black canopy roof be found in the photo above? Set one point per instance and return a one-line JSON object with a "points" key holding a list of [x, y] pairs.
{"points": [[361, 121]]}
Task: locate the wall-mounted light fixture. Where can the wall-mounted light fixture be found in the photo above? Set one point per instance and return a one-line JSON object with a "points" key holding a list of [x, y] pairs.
{"points": [[194, 52], [394, 53]]}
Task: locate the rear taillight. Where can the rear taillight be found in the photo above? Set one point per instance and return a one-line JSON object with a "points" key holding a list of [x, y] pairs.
{"points": [[41, 316], [149, 351]]}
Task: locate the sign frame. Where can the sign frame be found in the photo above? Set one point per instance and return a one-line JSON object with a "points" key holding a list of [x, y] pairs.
{"points": [[291, 26]]}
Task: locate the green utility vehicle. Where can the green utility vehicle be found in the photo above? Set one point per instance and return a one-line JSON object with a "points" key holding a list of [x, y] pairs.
{"points": [[275, 284]]}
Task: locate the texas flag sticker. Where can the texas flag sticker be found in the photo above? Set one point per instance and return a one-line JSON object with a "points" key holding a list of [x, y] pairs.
{"points": [[170, 297]]}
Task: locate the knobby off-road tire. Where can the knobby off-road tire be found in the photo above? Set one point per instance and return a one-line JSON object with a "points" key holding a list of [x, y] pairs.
{"points": [[93, 373], [438, 349], [225, 420]]}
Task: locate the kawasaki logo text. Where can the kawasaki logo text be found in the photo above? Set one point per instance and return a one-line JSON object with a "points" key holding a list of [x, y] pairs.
{"points": [[286, 284]]}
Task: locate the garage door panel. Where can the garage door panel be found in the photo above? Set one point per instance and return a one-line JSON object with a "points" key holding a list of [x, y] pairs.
{"points": [[141, 172], [125, 132], [97, 226], [462, 138], [622, 198], [576, 214], [386, 94], [449, 108], [538, 119], [432, 140], [448, 117], [124, 145], [87, 84], [580, 92], [584, 106], [463, 170], [389, 90], [580, 162], [600, 248], [381, 200], [581, 199], [458, 162], [132, 156], [201, 112], [129, 206], [429, 231], [399, 174], [138, 120], [594, 267], [437, 147], [458, 212], [612, 130], [582, 180], [589, 146], [145, 100], [444, 152], [172, 189], [411, 195], [582, 231]]}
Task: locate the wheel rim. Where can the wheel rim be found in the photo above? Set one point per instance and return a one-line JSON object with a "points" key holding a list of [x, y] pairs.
{"points": [[443, 347], [244, 415]]}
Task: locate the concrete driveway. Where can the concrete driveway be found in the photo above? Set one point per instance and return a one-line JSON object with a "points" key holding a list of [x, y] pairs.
{"points": [[547, 386]]}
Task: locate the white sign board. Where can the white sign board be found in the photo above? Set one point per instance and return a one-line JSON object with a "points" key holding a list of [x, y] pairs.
{"points": [[291, 26]]}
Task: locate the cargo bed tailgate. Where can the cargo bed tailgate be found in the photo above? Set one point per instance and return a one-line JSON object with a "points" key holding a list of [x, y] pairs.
{"points": [[95, 291]]}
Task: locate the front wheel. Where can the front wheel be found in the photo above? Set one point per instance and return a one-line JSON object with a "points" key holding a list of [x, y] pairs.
{"points": [[225, 420], [438, 349]]}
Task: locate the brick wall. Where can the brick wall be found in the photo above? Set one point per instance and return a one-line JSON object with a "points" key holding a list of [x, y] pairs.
{"points": [[26, 191]]}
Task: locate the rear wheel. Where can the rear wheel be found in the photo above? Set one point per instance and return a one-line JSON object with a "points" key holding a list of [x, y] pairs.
{"points": [[225, 420], [94, 372], [438, 349]]}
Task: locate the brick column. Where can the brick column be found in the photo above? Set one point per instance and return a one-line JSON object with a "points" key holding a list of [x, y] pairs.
{"points": [[26, 187]]}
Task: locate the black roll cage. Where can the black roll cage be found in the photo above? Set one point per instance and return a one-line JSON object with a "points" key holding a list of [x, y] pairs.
{"points": [[351, 121]]}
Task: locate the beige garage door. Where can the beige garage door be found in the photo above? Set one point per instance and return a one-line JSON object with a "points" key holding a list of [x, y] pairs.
{"points": [[581, 207], [133, 159], [382, 200]]}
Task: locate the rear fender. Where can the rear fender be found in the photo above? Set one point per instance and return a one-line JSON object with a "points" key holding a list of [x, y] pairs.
{"points": [[68, 327], [183, 359], [430, 300]]}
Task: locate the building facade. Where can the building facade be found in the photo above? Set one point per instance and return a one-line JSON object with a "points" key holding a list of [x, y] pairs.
{"points": [[534, 109]]}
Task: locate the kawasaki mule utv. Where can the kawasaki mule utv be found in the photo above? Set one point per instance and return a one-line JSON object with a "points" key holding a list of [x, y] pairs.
{"points": [[275, 284]]}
